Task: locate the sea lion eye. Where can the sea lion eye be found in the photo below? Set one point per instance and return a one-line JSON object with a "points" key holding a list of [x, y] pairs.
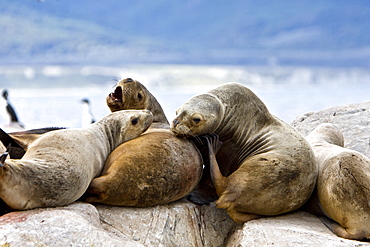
{"points": [[134, 121], [197, 118]]}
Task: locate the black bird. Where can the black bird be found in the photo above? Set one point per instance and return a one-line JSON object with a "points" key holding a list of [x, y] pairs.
{"points": [[87, 117], [8, 111]]}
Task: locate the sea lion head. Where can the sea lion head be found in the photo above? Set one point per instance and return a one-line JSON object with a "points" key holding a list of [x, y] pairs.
{"points": [[201, 114], [128, 94], [131, 123], [326, 132]]}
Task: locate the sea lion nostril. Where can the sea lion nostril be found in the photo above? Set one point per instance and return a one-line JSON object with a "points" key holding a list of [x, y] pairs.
{"points": [[128, 80]]}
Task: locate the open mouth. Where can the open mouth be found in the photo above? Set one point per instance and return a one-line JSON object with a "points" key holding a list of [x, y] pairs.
{"points": [[117, 94]]}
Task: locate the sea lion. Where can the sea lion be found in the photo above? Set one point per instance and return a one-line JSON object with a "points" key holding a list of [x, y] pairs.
{"points": [[264, 166], [343, 189], [19, 141], [155, 168], [59, 166]]}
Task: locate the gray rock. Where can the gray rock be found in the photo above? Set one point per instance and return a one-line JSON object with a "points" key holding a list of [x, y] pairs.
{"points": [[352, 120], [291, 230], [75, 225], [183, 223], [177, 224]]}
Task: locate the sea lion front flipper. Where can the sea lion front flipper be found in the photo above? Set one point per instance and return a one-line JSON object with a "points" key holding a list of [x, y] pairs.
{"points": [[204, 192], [4, 156], [219, 181], [16, 151], [340, 231]]}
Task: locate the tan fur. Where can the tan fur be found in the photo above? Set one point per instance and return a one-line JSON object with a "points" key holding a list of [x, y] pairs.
{"points": [[58, 167], [264, 167], [155, 168], [343, 187]]}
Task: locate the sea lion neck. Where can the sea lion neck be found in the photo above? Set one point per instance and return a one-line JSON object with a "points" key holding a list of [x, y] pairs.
{"points": [[241, 105], [159, 116], [151, 104], [108, 128]]}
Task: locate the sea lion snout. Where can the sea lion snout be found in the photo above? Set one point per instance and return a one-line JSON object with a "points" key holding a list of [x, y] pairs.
{"points": [[177, 128]]}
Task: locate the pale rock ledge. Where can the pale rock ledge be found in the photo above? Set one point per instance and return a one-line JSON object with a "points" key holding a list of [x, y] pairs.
{"points": [[183, 223]]}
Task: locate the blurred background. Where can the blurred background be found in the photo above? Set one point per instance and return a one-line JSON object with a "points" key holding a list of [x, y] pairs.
{"points": [[297, 56]]}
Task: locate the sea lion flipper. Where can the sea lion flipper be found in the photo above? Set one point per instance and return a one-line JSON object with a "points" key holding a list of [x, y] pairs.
{"points": [[218, 179], [16, 150], [6, 139], [4, 156], [241, 217], [341, 231], [204, 192]]}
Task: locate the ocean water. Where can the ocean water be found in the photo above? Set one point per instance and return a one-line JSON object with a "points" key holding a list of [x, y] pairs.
{"points": [[45, 96]]}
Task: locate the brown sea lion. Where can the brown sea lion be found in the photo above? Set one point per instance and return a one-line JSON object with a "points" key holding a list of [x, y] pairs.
{"points": [[59, 166], [155, 168], [264, 167], [343, 189]]}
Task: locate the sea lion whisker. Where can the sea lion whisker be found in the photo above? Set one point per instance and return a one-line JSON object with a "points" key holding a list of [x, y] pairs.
{"points": [[114, 81]]}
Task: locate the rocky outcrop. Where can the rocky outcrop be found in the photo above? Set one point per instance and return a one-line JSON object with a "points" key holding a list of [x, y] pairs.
{"points": [[81, 224], [183, 223], [352, 120]]}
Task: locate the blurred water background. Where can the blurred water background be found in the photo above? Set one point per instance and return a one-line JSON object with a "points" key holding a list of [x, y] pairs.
{"points": [[297, 56], [45, 96]]}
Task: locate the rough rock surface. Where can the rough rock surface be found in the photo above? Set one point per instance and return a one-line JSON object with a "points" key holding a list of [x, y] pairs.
{"points": [[352, 120], [183, 223]]}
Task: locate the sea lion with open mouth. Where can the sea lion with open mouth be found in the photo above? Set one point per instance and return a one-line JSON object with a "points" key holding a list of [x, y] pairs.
{"points": [[155, 168]]}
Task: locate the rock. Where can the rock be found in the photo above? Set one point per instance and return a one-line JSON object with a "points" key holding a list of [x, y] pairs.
{"points": [[75, 225], [352, 120], [291, 230], [180, 223], [183, 223], [177, 224]]}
